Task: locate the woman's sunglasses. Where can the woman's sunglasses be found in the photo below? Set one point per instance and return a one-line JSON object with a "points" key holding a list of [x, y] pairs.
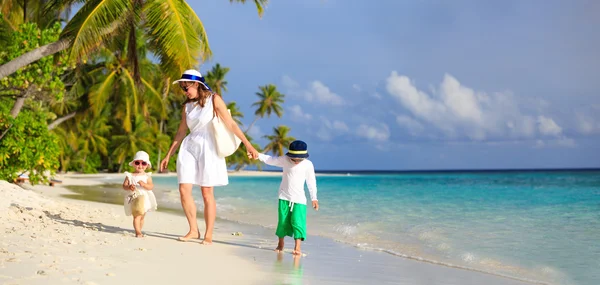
{"points": [[140, 162]]}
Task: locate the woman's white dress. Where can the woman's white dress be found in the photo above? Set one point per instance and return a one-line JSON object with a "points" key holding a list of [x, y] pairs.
{"points": [[197, 161], [149, 198]]}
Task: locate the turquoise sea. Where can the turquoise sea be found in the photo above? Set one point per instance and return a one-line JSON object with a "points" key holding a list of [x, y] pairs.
{"points": [[536, 225]]}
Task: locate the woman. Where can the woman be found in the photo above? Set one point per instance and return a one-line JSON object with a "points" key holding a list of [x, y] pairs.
{"points": [[197, 161]]}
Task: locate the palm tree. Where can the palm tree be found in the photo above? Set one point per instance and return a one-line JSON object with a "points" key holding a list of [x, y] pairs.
{"points": [[91, 133], [17, 12], [239, 159], [235, 112], [270, 100], [215, 78], [176, 34], [279, 140], [140, 138]]}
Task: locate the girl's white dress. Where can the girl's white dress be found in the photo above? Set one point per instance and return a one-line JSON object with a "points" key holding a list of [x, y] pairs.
{"points": [[149, 198], [197, 161]]}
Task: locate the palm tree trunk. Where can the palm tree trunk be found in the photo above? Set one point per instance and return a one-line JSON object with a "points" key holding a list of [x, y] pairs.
{"points": [[83, 164], [60, 121], [162, 120], [31, 56], [16, 109], [250, 127]]}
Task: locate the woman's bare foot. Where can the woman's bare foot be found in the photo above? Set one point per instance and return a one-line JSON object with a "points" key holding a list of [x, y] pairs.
{"points": [[190, 236]]}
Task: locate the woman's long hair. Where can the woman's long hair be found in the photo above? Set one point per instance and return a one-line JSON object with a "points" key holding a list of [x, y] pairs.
{"points": [[203, 94]]}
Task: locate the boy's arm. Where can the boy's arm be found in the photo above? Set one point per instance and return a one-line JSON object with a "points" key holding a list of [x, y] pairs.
{"points": [[271, 160], [311, 182]]}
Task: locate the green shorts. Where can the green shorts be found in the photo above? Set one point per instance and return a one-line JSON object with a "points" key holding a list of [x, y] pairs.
{"points": [[292, 220]]}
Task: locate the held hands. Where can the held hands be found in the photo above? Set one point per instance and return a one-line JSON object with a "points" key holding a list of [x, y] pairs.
{"points": [[315, 205], [132, 187], [252, 152]]}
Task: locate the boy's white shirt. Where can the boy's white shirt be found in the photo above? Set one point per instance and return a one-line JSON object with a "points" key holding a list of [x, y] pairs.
{"points": [[294, 176]]}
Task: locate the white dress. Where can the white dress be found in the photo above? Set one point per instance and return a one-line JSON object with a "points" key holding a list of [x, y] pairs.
{"points": [[197, 161], [149, 198]]}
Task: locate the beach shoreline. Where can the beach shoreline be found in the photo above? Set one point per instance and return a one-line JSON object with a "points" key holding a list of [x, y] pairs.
{"points": [[82, 226]]}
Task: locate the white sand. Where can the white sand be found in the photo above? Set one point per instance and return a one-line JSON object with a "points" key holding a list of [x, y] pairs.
{"points": [[45, 239]]}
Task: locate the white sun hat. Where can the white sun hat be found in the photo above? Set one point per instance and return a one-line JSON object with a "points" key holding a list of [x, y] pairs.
{"points": [[143, 156], [194, 76]]}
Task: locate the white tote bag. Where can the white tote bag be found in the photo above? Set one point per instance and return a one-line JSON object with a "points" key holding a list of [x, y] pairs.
{"points": [[225, 140]]}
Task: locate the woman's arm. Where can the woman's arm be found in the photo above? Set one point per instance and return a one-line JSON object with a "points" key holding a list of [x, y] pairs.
{"points": [[181, 132], [221, 110]]}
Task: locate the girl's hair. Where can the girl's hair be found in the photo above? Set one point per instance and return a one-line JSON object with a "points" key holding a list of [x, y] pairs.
{"points": [[203, 94]]}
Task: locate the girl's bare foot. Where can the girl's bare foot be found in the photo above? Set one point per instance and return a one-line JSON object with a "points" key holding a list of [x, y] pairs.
{"points": [[206, 242]]}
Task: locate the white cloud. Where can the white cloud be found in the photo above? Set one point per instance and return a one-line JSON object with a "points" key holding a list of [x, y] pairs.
{"points": [[329, 129], [457, 110], [558, 142], [356, 87], [413, 126], [318, 92], [289, 83], [586, 124], [379, 133], [548, 127], [298, 115]]}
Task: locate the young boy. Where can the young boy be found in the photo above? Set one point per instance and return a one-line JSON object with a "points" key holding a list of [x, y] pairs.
{"points": [[292, 199]]}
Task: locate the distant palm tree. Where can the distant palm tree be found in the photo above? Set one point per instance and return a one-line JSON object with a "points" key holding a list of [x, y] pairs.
{"points": [[91, 137], [239, 159], [279, 140], [140, 138], [215, 78], [236, 114], [270, 102]]}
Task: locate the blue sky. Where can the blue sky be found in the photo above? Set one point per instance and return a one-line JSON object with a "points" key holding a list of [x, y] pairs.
{"points": [[410, 85]]}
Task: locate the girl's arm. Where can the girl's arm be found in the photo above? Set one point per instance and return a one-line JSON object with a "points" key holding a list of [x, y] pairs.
{"points": [[148, 185], [127, 185], [181, 132], [221, 110]]}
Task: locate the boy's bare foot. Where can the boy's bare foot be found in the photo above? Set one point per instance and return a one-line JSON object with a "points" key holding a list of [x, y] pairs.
{"points": [[279, 247], [189, 236], [297, 252]]}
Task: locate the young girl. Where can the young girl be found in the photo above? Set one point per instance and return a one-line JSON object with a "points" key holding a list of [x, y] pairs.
{"points": [[141, 198]]}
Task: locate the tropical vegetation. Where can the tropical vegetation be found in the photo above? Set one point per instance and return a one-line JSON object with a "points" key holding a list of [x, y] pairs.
{"points": [[87, 96]]}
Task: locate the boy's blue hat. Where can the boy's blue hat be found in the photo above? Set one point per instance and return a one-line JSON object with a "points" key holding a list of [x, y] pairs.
{"points": [[297, 149]]}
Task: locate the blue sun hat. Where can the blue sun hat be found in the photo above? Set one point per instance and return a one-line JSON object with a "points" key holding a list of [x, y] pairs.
{"points": [[193, 76], [297, 149]]}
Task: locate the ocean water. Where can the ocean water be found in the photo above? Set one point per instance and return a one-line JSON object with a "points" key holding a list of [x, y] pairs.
{"points": [[542, 226]]}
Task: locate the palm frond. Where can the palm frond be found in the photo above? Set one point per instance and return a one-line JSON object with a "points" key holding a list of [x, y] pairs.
{"points": [[177, 33], [100, 95], [260, 5], [93, 23]]}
